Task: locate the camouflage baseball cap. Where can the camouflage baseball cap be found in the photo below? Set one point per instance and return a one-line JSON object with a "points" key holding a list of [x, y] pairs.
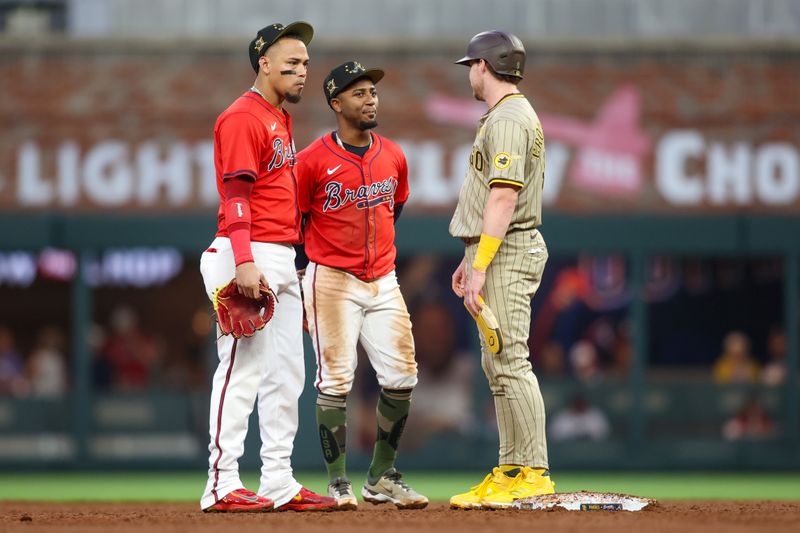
{"points": [[267, 36], [345, 75]]}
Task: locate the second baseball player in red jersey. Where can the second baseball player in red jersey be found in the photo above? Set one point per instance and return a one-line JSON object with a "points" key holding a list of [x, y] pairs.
{"points": [[352, 184]]}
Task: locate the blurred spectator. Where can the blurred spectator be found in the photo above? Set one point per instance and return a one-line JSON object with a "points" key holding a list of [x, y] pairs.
{"points": [[622, 352], [585, 363], [602, 335], [12, 366], [549, 361], [181, 369], [131, 354], [750, 423], [563, 314], [442, 399], [775, 369], [102, 370], [580, 421], [419, 276], [735, 365], [47, 367]]}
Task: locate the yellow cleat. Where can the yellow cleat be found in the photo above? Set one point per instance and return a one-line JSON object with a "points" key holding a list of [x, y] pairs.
{"points": [[529, 482], [493, 483]]}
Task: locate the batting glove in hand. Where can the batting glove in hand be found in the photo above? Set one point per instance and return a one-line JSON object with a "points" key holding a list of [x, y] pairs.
{"points": [[488, 326]]}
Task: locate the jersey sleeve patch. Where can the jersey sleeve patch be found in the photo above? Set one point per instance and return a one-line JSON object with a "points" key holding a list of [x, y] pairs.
{"points": [[502, 160]]}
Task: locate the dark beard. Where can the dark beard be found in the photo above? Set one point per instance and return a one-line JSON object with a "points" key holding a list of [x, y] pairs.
{"points": [[364, 126], [293, 98]]}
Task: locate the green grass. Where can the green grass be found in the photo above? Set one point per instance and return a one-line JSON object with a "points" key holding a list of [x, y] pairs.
{"points": [[187, 486]]}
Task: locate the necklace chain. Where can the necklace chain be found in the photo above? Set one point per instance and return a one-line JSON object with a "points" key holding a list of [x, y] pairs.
{"points": [[255, 90], [339, 141]]}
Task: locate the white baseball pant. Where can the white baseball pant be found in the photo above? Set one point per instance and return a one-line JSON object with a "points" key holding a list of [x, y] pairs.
{"points": [[268, 365], [343, 310]]}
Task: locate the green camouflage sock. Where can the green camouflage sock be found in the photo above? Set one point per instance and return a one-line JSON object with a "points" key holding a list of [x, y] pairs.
{"points": [[392, 412], [332, 423]]}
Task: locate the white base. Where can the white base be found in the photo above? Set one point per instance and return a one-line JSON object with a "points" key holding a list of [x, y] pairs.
{"points": [[584, 501]]}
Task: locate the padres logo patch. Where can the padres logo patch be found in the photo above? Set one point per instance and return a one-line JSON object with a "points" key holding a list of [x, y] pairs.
{"points": [[502, 160]]}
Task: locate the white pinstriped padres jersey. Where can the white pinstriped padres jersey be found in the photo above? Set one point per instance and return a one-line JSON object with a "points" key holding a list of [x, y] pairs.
{"points": [[509, 148]]}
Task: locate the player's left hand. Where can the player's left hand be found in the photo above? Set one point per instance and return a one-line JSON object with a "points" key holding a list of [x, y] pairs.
{"points": [[459, 279], [474, 286]]}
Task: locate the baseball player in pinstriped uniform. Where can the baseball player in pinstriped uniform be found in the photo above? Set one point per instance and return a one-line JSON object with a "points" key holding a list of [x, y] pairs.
{"points": [[258, 223], [499, 208], [352, 186]]}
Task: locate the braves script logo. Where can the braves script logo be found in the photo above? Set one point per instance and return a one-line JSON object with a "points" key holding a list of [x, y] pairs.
{"points": [[364, 196], [610, 150], [282, 155]]}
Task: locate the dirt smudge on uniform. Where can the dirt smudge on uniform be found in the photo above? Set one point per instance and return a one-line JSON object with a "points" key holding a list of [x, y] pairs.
{"points": [[404, 339], [332, 288]]}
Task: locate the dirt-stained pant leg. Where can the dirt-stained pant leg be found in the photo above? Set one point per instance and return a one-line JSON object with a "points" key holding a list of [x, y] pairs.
{"points": [[386, 335], [334, 309], [511, 281]]}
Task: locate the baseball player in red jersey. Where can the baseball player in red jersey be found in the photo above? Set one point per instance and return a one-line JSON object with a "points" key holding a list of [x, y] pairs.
{"points": [[259, 222], [352, 185]]}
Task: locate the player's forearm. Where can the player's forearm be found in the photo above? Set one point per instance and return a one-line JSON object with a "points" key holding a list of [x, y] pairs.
{"points": [[498, 211], [237, 218]]}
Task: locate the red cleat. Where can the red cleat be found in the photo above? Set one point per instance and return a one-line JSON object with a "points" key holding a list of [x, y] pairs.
{"points": [[241, 501], [305, 500]]}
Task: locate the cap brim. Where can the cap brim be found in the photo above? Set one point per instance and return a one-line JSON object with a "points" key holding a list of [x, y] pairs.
{"points": [[299, 29], [465, 60], [373, 74]]}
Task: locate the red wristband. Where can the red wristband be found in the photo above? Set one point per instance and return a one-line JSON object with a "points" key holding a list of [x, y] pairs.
{"points": [[239, 234], [237, 218]]}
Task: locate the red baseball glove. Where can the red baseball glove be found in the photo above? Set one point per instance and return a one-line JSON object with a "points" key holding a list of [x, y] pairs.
{"points": [[239, 315]]}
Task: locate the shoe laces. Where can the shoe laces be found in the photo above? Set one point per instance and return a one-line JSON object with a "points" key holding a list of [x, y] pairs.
{"points": [[341, 486], [481, 487], [526, 475], [241, 493], [396, 478]]}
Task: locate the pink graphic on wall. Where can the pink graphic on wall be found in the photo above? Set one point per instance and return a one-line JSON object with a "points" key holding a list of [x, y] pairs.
{"points": [[610, 150]]}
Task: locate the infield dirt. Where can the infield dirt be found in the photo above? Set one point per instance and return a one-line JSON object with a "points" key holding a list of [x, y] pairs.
{"points": [[677, 516]]}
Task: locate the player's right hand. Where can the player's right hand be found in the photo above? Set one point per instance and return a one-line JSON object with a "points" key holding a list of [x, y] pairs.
{"points": [[460, 279], [248, 280]]}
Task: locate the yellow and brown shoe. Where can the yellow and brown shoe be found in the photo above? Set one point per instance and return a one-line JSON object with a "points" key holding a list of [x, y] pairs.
{"points": [[529, 482], [492, 484]]}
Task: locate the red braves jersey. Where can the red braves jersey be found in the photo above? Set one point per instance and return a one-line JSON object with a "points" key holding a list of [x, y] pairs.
{"points": [[350, 204], [253, 138]]}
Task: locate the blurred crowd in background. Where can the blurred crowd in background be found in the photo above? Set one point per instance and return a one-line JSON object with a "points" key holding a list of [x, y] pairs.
{"points": [[580, 336]]}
